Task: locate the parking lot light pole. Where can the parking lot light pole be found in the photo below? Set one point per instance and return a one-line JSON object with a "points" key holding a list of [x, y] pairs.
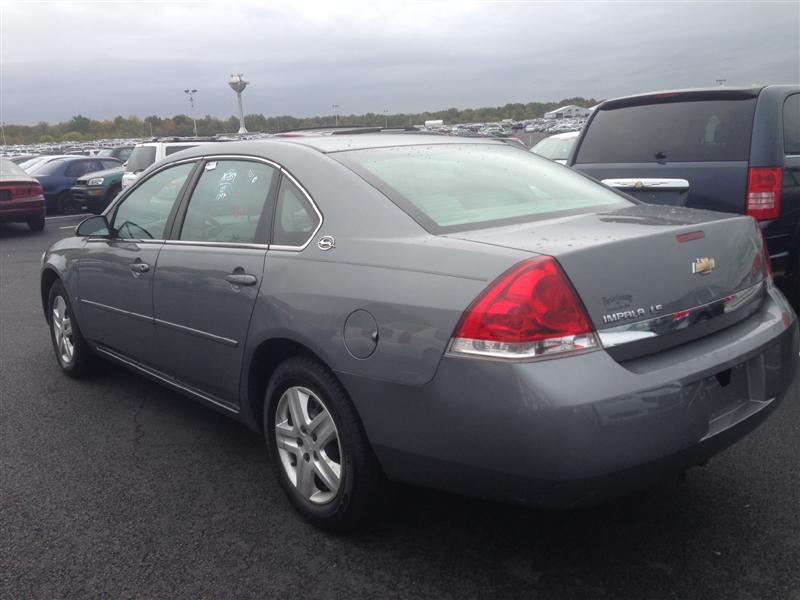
{"points": [[238, 84], [191, 94], [335, 114], [386, 117]]}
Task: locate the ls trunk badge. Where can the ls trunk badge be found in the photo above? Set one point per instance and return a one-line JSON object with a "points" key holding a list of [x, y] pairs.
{"points": [[704, 266]]}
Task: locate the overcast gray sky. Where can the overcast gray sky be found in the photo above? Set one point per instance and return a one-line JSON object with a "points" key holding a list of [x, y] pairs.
{"points": [[103, 59]]}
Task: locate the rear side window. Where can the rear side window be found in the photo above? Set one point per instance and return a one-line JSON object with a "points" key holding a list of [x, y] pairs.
{"points": [[696, 131], [791, 125], [227, 202], [173, 149], [50, 167], [453, 187], [295, 218], [141, 158]]}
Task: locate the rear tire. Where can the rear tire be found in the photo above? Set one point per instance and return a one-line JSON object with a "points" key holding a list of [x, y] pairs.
{"points": [[36, 223], [334, 481], [73, 353]]}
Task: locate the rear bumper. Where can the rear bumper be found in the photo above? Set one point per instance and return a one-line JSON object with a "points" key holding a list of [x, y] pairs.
{"points": [[17, 211], [571, 431]]}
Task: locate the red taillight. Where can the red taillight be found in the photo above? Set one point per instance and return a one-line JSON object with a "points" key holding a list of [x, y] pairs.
{"points": [[764, 192], [529, 311], [23, 190]]}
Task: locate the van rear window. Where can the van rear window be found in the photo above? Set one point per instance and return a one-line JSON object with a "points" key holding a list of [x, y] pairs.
{"points": [[696, 131]]}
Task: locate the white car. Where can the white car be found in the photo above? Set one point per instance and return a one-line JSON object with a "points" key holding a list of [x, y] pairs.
{"points": [[557, 147], [146, 154]]}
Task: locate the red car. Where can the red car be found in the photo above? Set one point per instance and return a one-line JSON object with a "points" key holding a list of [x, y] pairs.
{"points": [[21, 198]]}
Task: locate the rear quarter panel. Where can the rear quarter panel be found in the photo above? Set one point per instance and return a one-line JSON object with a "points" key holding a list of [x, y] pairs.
{"points": [[415, 285]]}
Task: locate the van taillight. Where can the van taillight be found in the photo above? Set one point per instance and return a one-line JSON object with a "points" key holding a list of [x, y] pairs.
{"points": [[764, 192]]}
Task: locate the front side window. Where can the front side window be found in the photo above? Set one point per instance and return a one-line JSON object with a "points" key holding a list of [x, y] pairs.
{"points": [[145, 211], [454, 187], [295, 218], [227, 202]]}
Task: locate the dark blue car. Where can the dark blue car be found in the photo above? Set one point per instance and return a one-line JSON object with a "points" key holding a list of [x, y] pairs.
{"points": [[733, 150], [57, 176]]}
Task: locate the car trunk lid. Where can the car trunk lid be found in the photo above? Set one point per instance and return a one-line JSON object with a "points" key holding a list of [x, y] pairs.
{"points": [[644, 271]]}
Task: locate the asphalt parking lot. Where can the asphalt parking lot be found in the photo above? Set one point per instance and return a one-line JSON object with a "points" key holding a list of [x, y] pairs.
{"points": [[117, 488]]}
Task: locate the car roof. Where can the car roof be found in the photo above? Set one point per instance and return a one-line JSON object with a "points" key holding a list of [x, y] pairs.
{"points": [[702, 93], [563, 136], [364, 141]]}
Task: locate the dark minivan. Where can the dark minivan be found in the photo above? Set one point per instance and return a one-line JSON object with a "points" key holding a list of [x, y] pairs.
{"points": [[733, 150]]}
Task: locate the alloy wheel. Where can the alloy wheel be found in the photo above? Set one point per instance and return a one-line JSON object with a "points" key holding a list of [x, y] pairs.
{"points": [[62, 331], [308, 445]]}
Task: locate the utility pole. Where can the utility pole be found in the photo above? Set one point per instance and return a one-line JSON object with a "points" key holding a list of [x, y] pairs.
{"points": [[191, 94]]}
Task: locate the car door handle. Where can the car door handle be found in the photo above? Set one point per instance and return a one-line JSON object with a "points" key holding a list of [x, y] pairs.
{"points": [[139, 267], [241, 279]]}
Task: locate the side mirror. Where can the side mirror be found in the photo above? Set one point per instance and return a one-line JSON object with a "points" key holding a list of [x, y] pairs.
{"points": [[95, 226]]}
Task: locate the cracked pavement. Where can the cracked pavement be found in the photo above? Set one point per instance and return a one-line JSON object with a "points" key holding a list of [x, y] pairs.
{"points": [[117, 488]]}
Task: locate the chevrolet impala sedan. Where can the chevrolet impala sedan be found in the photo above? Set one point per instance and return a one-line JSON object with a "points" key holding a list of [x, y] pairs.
{"points": [[453, 313]]}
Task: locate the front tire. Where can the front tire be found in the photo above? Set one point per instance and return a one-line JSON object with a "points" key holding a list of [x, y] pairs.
{"points": [[66, 205], [73, 354], [318, 448]]}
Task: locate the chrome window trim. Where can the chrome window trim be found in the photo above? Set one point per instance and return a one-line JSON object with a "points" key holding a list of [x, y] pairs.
{"points": [[244, 157], [245, 245], [642, 330], [118, 240], [314, 206]]}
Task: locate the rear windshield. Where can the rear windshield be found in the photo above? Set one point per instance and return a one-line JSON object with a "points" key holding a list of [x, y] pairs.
{"points": [[697, 131], [141, 158], [555, 148], [49, 167], [8, 169], [453, 187]]}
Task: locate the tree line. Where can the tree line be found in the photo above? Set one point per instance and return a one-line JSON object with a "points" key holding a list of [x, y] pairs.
{"points": [[81, 128]]}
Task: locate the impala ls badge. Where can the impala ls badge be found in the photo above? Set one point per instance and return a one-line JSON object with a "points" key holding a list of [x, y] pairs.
{"points": [[704, 266], [326, 242]]}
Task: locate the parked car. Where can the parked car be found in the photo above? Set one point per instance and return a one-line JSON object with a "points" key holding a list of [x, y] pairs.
{"points": [[21, 199], [144, 155], [734, 150], [97, 190], [31, 163], [120, 152], [59, 175], [556, 147], [21, 158], [448, 312]]}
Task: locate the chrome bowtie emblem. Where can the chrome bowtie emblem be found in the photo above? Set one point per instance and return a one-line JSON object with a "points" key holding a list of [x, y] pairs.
{"points": [[704, 266], [326, 242]]}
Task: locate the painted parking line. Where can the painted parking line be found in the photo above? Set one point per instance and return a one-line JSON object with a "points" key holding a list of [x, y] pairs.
{"points": [[68, 227], [65, 217]]}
